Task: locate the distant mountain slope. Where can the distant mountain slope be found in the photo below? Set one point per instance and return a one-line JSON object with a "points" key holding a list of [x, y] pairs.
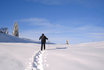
{"points": [[10, 38]]}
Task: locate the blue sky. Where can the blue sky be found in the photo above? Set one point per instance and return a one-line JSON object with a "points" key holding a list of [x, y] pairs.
{"points": [[78, 21]]}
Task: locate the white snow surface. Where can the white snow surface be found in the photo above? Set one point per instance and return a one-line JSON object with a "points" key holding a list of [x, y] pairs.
{"points": [[27, 56], [87, 56], [16, 56]]}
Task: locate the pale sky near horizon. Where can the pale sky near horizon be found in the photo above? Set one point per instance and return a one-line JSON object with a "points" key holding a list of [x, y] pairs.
{"points": [[78, 21]]}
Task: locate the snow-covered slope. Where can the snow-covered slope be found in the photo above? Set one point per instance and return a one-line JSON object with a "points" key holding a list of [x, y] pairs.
{"points": [[5, 38], [87, 56], [10, 38], [17, 56], [27, 56]]}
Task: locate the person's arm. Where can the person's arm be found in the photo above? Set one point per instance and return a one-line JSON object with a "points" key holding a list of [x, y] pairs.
{"points": [[46, 37], [40, 37]]}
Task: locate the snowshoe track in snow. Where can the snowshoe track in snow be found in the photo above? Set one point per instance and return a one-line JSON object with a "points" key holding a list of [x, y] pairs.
{"points": [[38, 61]]}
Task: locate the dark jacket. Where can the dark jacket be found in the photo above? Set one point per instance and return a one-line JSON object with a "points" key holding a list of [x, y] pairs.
{"points": [[43, 39]]}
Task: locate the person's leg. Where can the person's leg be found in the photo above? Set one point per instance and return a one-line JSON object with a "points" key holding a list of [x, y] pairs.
{"points": [[44, 46], [41, 46]]}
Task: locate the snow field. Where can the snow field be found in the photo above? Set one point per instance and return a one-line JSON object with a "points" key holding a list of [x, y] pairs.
{"points": [[87, 56], [17, 56], [26, 56]]}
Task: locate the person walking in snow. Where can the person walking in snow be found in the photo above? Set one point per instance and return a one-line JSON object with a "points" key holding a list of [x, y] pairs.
{"points": [[43, 39]]}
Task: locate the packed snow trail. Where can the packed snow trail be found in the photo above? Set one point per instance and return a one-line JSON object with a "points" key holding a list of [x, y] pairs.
{"points": [[37, 62]]}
